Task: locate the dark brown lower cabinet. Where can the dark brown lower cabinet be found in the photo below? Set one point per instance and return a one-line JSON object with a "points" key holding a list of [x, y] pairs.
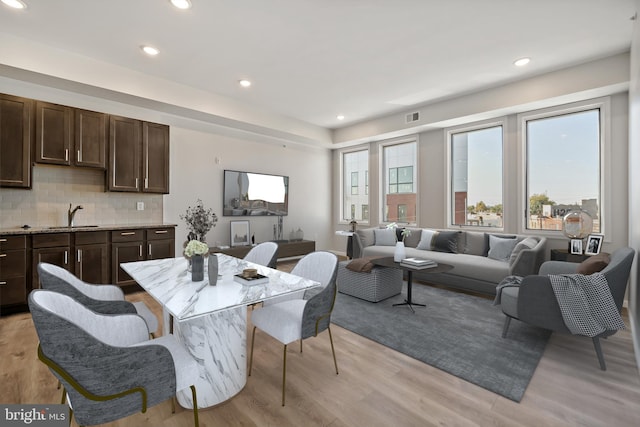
{"points": [[92, 256], [13, 270], [52, 248]]}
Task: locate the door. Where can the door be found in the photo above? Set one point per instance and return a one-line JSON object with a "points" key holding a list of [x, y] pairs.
{"points": [[155, 158], [91, 130], [60, 256], [54, 133], [92, 263], [124, 252], [16, 117], [125, 147]]}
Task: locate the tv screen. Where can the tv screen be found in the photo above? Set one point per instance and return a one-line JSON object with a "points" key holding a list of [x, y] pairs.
{"points": [[250, 194]]}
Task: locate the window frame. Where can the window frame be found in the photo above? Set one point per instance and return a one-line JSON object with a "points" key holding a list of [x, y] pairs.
{"points": [[341, 204], [604, 105], [471, 127], [382, 172]]}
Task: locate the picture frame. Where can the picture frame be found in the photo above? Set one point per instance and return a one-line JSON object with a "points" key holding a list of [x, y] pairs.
{"points": [[594, 244], [576, 246], [240, 235]]}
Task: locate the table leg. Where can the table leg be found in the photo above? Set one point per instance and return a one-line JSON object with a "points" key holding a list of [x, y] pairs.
{"points": [[219, 343], [408, 301]]}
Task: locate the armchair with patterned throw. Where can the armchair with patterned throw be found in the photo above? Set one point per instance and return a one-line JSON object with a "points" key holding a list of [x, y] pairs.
{"points": [[107, 364], [534, 300]]}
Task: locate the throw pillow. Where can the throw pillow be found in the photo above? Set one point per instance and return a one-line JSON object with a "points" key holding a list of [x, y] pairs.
{"points": [[528, 243], [486, 241], [411, 241], [593, 264], [367, 238], [385, 237], [426, 240], [500, 249], [446, 241]]}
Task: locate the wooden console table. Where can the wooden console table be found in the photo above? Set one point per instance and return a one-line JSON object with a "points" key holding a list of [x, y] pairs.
{"points": [[286, 249]]}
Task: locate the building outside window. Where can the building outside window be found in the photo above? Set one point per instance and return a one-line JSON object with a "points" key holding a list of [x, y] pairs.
{"points": [[476, 177], [365, 212], [563, 158], [399, 174], [355, 174]]}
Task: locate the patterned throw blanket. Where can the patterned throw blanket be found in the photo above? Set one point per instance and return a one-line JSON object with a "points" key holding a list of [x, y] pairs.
{"points": [[586, 303]]}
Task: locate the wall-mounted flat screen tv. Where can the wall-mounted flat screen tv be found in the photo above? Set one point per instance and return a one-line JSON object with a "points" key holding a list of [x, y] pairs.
{"points": [[250, 194]]}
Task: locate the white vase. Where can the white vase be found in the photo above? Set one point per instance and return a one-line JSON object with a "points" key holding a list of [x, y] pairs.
{"points": [[399, 253]]}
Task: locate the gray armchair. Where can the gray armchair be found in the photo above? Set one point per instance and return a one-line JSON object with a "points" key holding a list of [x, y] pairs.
{"points": [[535, 303], [105, 299], [107, 364], [297, 319], [265, 253]]}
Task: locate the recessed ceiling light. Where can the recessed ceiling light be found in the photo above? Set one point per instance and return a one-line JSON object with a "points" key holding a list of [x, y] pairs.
{"points": [[521, 62], [244, 83], [181, 4], [340, 117], [152, 51], [16, 4]]}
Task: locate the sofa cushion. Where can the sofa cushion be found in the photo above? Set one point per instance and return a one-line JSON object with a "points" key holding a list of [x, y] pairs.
{"points": [[366, 236], [594, 264], [426, 239], [411, 241], [384, 236], [486, 241], [446, 241], [500, 249], [528, 243]]}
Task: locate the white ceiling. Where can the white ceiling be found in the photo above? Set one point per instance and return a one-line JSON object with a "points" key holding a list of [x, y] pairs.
{"points": [[314, 59]]}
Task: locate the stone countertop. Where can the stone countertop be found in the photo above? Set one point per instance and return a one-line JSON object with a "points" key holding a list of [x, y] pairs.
{"points": [[63, 229]]}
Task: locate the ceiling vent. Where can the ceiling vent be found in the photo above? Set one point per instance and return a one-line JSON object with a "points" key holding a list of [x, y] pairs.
{"points": [[412, 117]]}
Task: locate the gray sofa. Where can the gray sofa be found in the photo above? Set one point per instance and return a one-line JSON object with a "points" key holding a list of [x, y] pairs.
{"points": [[478, 266]]}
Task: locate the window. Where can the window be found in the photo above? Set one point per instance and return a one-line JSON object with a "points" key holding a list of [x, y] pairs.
{"points": [[563, 158], [476, 177], [355, 167], [399, 172], [365, 212]]}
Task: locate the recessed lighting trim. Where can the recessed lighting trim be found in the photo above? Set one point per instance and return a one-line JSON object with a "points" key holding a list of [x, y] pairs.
{"points": [[244, 83], [521, 62], [340, 117], [181, 4], [16, 4], [150, 50]]}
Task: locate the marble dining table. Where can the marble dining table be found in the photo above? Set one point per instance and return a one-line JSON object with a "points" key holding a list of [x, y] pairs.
{"points": [[211, 321]]}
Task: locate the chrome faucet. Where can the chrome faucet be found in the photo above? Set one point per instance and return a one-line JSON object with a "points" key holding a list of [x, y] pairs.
{"points": [[71, 213]]}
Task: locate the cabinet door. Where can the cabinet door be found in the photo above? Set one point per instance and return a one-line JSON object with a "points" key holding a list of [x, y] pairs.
{"points": [[60, 256], [124, 252], [92, 263], [90, 139], [157, 249], [16, 119], [155, 157], [13, 270], [125, 146], [53, 133]]}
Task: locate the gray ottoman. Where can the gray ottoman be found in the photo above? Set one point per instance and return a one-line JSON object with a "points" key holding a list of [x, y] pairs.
{"points": [[381, 283]]}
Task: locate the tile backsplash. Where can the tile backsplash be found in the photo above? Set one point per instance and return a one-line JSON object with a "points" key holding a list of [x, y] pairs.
{"points": [[54, 187]]}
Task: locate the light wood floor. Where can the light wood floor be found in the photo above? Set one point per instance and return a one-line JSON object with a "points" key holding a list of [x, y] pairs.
{"points": [[376, 386]]}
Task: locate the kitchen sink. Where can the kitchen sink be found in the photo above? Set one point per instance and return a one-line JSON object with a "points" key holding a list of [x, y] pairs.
{"points": [[65, 227]]}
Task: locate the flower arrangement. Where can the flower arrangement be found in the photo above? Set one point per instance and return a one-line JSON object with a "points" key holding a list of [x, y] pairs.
{"points": [[405, 231], [196, 247], [199, 220]]}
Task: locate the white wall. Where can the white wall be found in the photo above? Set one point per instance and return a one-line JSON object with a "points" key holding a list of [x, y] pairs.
{"points": [[195, 174]]}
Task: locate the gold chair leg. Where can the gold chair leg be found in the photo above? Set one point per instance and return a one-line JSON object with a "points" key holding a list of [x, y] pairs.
{"points": [[195, 406], [335, 362], [64, 395], [284, 371], [253, 338], [173, 405]]}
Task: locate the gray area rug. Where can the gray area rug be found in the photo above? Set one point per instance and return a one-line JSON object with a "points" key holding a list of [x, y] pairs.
{"points": [[457, 333]]}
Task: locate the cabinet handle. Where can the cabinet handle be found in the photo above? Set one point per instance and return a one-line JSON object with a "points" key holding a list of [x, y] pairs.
{"points": [[3, 255], [140, 251], [79, 156], [79, 256], [161, 231], [146, 183], [149, 250], [66, 257], [3, 240], [3, 283], [128, 233], [66, 154], [136, 183]]}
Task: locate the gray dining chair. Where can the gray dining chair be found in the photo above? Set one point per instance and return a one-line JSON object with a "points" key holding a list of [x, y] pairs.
{"points": [[105, 299], [298, 319], [265, 253], [108, 366]]}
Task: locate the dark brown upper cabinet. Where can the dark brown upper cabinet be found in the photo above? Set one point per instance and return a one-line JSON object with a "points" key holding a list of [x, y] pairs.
{"points": [[16, 132], [54, 133], [91, 130], [138, 156], [68, 136]]}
